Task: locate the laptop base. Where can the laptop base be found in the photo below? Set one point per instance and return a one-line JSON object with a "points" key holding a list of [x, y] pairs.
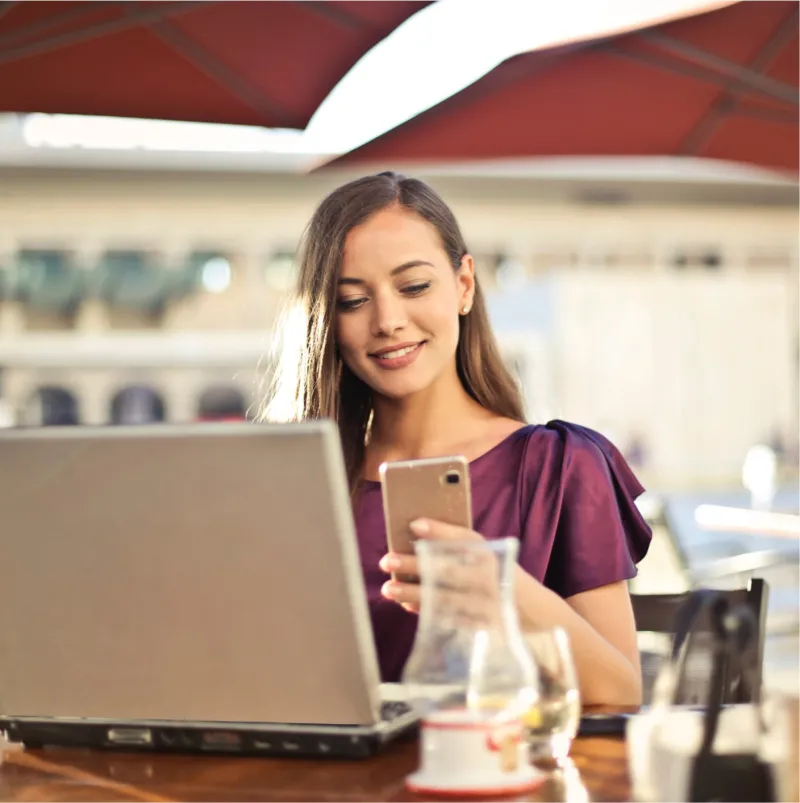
{"points": [[219, 738]]}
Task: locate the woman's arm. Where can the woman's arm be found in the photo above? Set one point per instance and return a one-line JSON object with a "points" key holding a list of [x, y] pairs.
{"points": [[599, 622], [602, 634]]}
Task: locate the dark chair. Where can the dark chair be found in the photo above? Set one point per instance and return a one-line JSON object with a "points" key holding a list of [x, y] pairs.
{"points": [[137, 404], [222, 403], [656, 613], [52, 406]]}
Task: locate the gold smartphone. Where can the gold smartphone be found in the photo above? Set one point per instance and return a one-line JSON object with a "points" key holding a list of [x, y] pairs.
{"points": [[432, 488]]}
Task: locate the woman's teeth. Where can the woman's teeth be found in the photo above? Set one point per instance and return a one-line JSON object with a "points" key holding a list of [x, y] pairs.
{"points": [[393, 355]]}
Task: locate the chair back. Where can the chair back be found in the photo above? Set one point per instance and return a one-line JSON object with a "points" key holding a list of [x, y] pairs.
{"points": [[656, 613]]}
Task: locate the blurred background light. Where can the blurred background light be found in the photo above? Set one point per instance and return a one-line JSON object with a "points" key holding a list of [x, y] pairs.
{"points": [[216, 275]]}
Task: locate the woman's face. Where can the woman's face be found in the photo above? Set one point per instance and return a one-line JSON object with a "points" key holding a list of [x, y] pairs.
{"points": [[398, 303]]}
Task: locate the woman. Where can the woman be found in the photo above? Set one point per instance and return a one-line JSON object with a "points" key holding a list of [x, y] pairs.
{"points": [[391, 339]]}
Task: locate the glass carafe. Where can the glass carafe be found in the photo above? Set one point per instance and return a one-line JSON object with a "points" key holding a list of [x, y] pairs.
{"points": [[469, 672]]}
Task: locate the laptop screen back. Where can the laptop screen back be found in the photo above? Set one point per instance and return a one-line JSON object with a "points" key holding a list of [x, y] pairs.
{"points": [[204, 573]]}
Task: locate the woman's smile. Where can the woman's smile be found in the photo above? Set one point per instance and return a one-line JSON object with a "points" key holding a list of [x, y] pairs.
{"points": [[395, 357]]}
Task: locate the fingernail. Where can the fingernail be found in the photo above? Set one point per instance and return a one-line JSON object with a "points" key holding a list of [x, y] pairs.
{"points": [[390, 590], [420, 527], [389, 563]]}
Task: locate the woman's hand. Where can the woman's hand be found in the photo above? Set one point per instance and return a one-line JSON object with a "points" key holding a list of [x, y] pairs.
{"points": [[465, 579], [599, 622]]}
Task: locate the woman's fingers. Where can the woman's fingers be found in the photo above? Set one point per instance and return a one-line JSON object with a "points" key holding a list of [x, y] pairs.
{"points": [[397, 564], [454, 607], [440, 531], [406, 594], [475, 574], [467, 589], [479, 579]]}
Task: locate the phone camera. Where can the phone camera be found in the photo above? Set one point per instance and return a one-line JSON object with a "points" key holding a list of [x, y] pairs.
{"points": [[452, 478]]}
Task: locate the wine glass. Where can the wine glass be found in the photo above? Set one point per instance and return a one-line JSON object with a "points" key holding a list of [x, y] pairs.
{"points": [[552, 722]]}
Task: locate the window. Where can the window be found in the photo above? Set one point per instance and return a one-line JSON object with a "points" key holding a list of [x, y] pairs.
{"points": [[128, 280], [209, 270], [547, 259], [768, 258], [46, 282], [627, 258], [697, 257], [281, 270]]}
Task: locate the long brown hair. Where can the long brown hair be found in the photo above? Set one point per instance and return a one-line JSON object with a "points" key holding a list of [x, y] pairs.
{"points": [[311, 380]]}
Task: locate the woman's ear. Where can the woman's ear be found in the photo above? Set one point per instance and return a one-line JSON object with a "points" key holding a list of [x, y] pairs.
{"points": [[466, 284]]}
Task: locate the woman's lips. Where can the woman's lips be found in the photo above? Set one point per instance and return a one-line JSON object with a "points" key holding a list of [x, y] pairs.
{"points": [[399, 358]]}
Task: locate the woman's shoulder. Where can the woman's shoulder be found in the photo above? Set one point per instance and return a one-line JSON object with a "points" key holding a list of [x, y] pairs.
{"points": [[574, 484], [557, 436], [567, 453], [575, 441]]}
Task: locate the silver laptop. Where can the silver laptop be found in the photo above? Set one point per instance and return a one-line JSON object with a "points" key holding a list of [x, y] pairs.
{"points": [[185, 588]]}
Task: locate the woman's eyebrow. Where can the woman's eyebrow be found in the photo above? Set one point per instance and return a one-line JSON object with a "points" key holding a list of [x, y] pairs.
{"points": [[414, 263]]}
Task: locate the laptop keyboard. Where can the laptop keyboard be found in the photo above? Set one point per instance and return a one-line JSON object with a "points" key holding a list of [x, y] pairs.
{"points": [[391, 709]]}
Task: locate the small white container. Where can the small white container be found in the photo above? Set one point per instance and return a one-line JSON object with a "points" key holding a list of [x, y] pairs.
{"points": [[461, 754]]}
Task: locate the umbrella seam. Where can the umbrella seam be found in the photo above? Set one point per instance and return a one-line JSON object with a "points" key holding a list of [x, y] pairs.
{"points": [[728, 104], [87, 34], [223, 75]]}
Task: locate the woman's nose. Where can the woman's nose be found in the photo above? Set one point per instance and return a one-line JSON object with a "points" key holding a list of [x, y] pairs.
{"points": [[388, 315]]}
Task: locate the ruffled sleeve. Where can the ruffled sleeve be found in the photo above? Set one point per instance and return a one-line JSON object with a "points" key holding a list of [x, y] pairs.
{"points": [[580, 496]]}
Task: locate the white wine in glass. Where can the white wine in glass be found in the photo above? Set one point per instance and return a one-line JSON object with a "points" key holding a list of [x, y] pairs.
{"points": [[552, 722]]}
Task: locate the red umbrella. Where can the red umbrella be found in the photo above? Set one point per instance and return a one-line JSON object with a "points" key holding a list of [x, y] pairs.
{"points": [[721, 85], [251, 63]]}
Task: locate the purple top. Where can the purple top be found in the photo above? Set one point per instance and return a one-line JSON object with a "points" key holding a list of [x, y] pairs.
{"points": [[564, 490]]}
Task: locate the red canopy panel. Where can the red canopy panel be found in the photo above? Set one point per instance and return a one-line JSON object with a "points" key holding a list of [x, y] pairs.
{"points": [[250, 63], [718, 85]]}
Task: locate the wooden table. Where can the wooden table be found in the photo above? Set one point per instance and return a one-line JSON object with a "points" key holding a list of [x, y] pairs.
{"points": [[599, 768]]}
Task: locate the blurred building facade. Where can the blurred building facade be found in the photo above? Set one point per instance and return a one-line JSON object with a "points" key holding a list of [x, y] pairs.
{"points": [[664, 316]]}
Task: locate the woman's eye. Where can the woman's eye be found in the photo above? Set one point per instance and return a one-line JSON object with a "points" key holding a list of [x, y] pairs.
{"points": [[347, 304], [416, 289]]}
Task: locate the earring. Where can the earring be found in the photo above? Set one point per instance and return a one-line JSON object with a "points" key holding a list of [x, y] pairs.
{"points": [[464, 309]]}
